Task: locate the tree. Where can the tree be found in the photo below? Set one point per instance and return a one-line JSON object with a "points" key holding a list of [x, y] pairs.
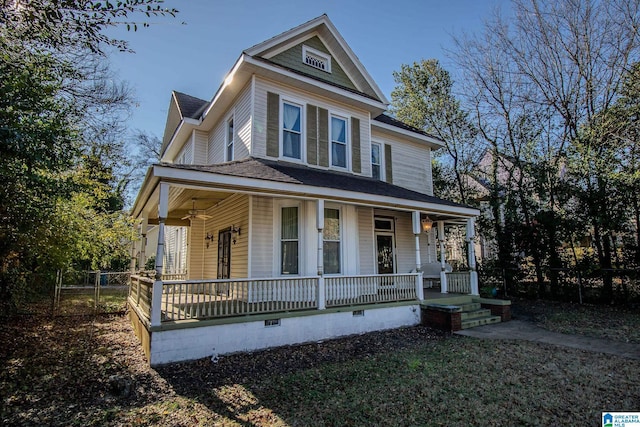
{"points": [[56, 141], [424, 99], [542, 84]]}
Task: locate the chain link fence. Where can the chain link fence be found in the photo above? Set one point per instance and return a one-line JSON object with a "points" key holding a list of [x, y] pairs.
{"points": [[90, 292]]}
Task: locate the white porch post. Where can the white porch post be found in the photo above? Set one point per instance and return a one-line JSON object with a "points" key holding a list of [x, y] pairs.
{"points": [[473, 274], [443, 261], [163, 210], [417, 229], [322, 296], [143, 243]]}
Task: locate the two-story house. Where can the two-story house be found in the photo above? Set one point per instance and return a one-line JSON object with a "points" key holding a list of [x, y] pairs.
{"points": [[308, 211]]}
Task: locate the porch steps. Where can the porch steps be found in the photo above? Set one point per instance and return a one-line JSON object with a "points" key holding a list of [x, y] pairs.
{"points": [[473, 315]]}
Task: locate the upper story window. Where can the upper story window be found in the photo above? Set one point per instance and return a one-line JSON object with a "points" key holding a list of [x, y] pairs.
{"points": [[291, 130], [338, 142], [376, 161], [229, 143], [316, 59]]}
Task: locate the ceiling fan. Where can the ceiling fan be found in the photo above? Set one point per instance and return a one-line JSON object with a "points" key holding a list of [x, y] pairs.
{"points": [[196, 213]]}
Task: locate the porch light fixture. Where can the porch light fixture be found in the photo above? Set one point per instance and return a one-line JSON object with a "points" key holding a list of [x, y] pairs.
{"points": [[427, 224], [235, 231], [209, 239]]}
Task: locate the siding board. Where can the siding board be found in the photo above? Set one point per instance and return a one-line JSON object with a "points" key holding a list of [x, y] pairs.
{"points": [[312, 134]]}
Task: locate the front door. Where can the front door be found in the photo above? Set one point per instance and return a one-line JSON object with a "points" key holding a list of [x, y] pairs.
{"points": [[385, 251], [224, 254]]}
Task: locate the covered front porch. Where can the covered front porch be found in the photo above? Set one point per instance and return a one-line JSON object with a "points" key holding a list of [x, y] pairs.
{"points": [[258, 253]]}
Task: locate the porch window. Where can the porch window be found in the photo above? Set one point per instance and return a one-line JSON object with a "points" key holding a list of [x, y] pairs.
{"points": [[331, 241], [376, 161], [291, 130], [338, 142], [229, 145], [289, 240]]}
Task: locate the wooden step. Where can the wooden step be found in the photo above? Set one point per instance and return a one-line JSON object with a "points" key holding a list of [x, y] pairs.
{"points": [[487, 320], [470, 306], [476, 314]]}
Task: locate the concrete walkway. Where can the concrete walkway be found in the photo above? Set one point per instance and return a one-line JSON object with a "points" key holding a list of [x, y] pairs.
{"points": [[523, 330]]}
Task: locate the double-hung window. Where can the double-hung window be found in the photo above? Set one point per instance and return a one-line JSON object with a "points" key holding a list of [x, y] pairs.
{"points": [[230, 138], [376, 161], [331, 241], [289, 240], [338, 142], [291, 130]]}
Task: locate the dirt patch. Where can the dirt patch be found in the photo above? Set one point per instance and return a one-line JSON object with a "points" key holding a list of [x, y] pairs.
{"points": [[91, 371]]}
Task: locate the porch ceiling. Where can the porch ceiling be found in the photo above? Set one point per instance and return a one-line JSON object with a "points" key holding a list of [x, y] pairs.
{"points": [[181, 201]]}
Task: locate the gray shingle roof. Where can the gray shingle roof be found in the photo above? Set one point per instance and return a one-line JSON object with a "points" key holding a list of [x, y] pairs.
{"points": [[383, 118], [190, 106], [293, 173]]}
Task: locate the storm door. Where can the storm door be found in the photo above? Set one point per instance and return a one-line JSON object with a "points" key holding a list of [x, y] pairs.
{"points": [[224, 254], [385, 245]]}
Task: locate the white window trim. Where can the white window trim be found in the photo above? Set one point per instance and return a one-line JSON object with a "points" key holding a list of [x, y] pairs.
{"points": [[347, 137], [341, 246], [382, 169], [277, 229], [303, 136], [230, 118], [321, 55]]}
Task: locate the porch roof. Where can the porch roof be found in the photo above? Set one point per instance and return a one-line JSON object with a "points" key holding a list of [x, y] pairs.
{"points": [[279, 177]]}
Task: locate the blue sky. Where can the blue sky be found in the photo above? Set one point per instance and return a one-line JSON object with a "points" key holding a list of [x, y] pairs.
{"points": [[193, 58]]}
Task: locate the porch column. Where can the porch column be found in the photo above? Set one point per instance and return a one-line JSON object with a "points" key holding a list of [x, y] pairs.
{"points": [[143, 243], [443, 261], [473, 274], [322, 296], [417, 229], [156, 298]]}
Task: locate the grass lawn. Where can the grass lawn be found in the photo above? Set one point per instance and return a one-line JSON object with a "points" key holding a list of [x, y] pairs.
{"points": [[69, 371]]}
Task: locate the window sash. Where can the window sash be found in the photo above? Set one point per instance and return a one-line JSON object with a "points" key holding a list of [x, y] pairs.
{"points": [[331, 235], [376, 163], [291, 130], [289, 240], [338, 142], [230, 134]]}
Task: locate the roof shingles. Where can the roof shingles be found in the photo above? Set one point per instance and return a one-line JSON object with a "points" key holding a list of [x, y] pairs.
{"points": [[292, 173]]}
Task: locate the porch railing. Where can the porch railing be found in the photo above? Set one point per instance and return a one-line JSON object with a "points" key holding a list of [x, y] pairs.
{"points": [[140, 290], [205, 299], [459, 282], [208, 299], [352, 290]]}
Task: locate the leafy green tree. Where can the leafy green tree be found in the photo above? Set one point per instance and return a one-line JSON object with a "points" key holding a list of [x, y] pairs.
{"points": [[59, 117], [423, 97]]}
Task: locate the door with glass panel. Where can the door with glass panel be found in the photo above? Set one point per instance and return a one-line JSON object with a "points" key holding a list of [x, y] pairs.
{"points": [[385, 245]]}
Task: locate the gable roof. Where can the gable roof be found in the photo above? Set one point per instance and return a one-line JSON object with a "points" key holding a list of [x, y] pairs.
{"points": [[190, 106], [323, 28]]}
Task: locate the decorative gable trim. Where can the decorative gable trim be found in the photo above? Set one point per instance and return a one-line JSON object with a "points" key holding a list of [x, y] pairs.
{"points": [[325, 29], [316, 59]]}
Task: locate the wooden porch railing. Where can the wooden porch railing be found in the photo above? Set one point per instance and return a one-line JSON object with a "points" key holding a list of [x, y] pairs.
{"points": [[206, 299], [353, 290], [140, 290], [459, 282]]}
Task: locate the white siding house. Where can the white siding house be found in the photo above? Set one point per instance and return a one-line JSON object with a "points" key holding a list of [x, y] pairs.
{"points": [[308, 212]]}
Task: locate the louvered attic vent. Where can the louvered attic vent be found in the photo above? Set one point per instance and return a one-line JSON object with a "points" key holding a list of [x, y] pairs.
{"points": [[316, 59]]}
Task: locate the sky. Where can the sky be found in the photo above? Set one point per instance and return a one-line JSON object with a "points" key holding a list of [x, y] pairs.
{"points": [[193, 52]]}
